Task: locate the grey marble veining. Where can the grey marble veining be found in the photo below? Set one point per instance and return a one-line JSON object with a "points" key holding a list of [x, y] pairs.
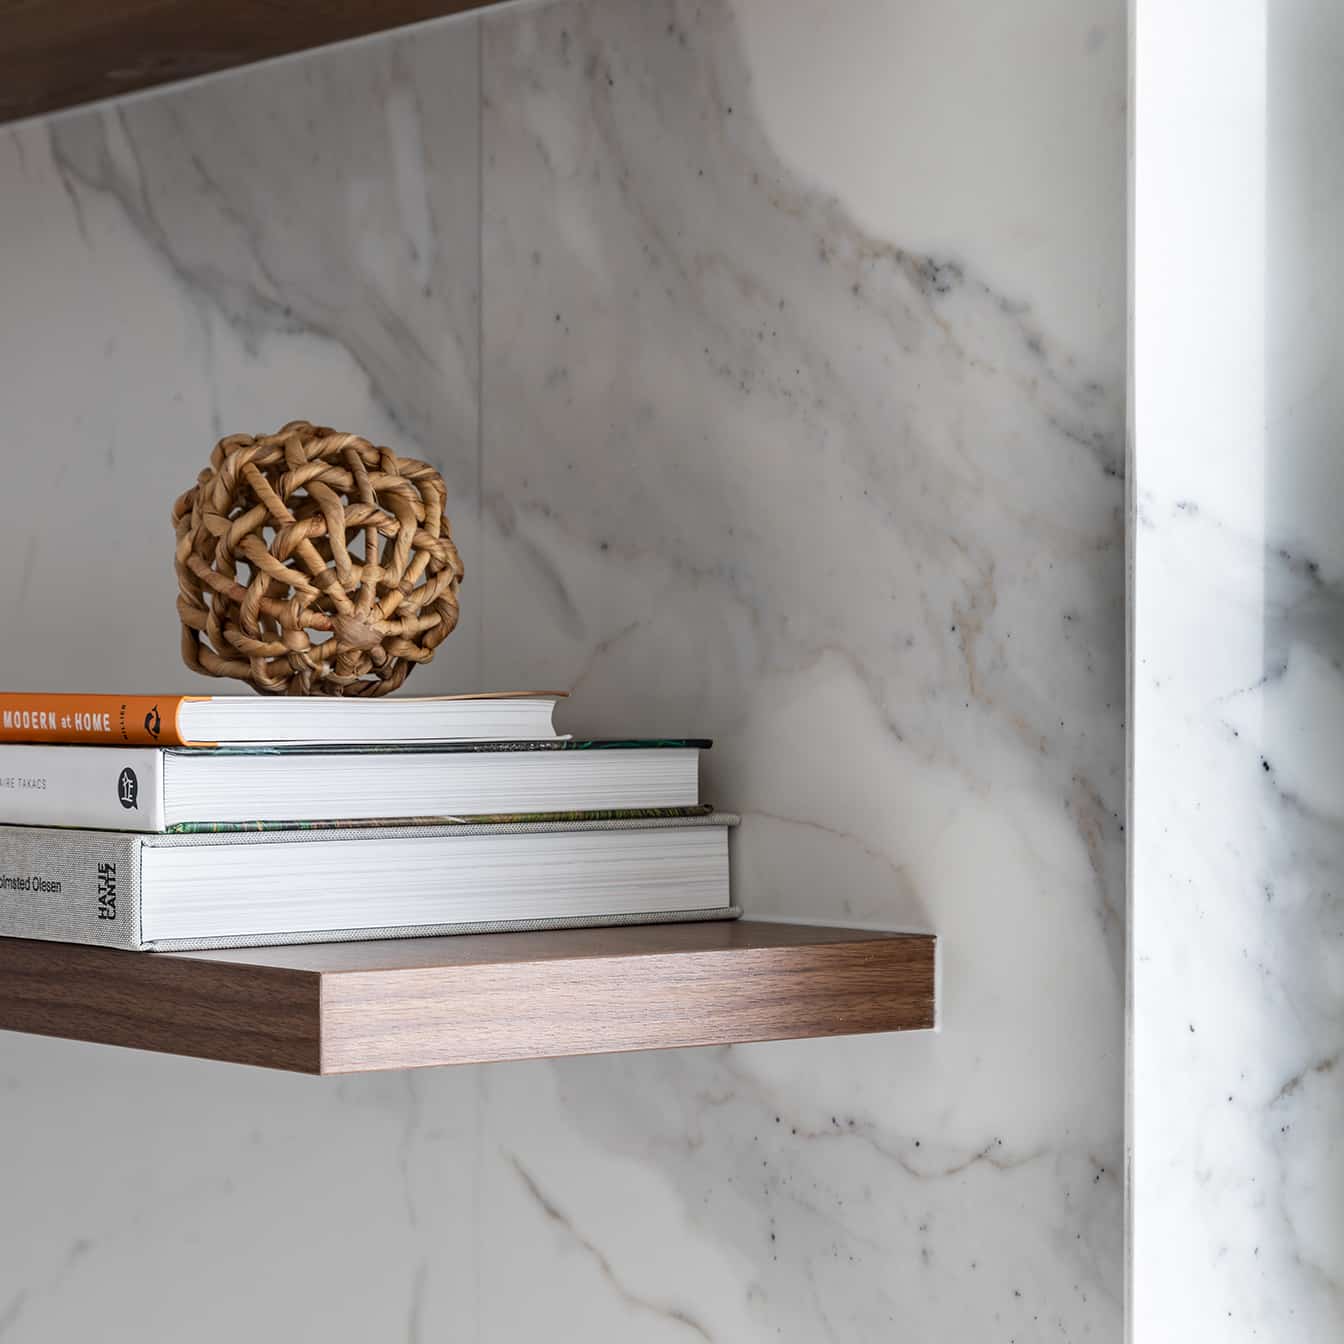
{"points": [[737, 443], [854, 508], [333, 198]]}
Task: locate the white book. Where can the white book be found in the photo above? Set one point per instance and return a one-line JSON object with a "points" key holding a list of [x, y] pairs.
{"points": [[156, 789], [179, 892]]}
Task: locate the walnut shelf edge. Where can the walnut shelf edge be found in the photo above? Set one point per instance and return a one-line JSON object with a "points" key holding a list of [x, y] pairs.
{"points": [[357, 1007]]}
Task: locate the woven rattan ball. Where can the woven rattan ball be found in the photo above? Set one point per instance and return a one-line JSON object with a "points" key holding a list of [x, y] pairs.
{"points": [[312, 563]]}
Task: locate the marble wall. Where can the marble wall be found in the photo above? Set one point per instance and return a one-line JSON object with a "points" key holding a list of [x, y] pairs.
{"points": [[776, 368], [1238, 812]]}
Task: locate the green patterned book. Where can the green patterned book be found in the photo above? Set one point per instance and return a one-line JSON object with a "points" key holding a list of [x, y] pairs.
{"points": [[479, 819]]}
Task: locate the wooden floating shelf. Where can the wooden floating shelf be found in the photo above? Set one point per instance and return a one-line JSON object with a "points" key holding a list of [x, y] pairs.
{"points": [[354, 1007], [60, 53]]}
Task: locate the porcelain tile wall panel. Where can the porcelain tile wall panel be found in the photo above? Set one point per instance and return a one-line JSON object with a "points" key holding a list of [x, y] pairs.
{"points": [[801, 425], [764, 464], [1238, 1175], [294, 240]]}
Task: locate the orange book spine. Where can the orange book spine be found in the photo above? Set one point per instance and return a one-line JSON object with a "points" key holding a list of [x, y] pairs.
{"points": [[91, 720]]}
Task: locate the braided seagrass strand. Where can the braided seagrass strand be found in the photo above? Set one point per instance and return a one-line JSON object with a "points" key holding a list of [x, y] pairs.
{"points": [[312, 563]]}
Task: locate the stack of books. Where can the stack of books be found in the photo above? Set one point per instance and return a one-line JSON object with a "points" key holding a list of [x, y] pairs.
{"points": [[235, 821]]}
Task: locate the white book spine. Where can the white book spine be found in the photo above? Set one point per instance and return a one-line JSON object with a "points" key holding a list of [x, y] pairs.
{"points": [[102, 788]]}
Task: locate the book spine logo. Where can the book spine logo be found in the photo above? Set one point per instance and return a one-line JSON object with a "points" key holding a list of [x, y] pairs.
{"points": [[128, 789], [107, 891], [153, 723]]}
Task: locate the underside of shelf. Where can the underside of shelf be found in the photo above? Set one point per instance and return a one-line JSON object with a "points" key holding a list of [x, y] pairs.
{"points": [[60, 53], [355, 1007]]}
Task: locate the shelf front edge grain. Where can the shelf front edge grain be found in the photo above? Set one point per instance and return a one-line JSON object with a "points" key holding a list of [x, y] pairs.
{"points": [[423, 1016], [343, 1008], [239, 1014]]}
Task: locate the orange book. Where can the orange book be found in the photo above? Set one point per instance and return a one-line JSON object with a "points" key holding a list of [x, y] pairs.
{"points": [[239, 720], [93, 720]]}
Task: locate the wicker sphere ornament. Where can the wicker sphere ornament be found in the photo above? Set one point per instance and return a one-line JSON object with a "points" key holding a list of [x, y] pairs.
{"points": [[310, 562]]}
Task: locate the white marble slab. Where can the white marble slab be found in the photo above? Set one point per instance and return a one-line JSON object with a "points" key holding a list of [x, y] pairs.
{"points": [[1238, 1172], [760, 463]]}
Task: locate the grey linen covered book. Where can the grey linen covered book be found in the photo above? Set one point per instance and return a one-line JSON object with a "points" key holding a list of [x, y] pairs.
{"points": [[179, 892]]}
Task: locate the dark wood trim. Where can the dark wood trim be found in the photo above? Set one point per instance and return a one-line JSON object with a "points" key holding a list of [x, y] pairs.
{"points": [[263, 1015], [60, 53], [352, 1007]]}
